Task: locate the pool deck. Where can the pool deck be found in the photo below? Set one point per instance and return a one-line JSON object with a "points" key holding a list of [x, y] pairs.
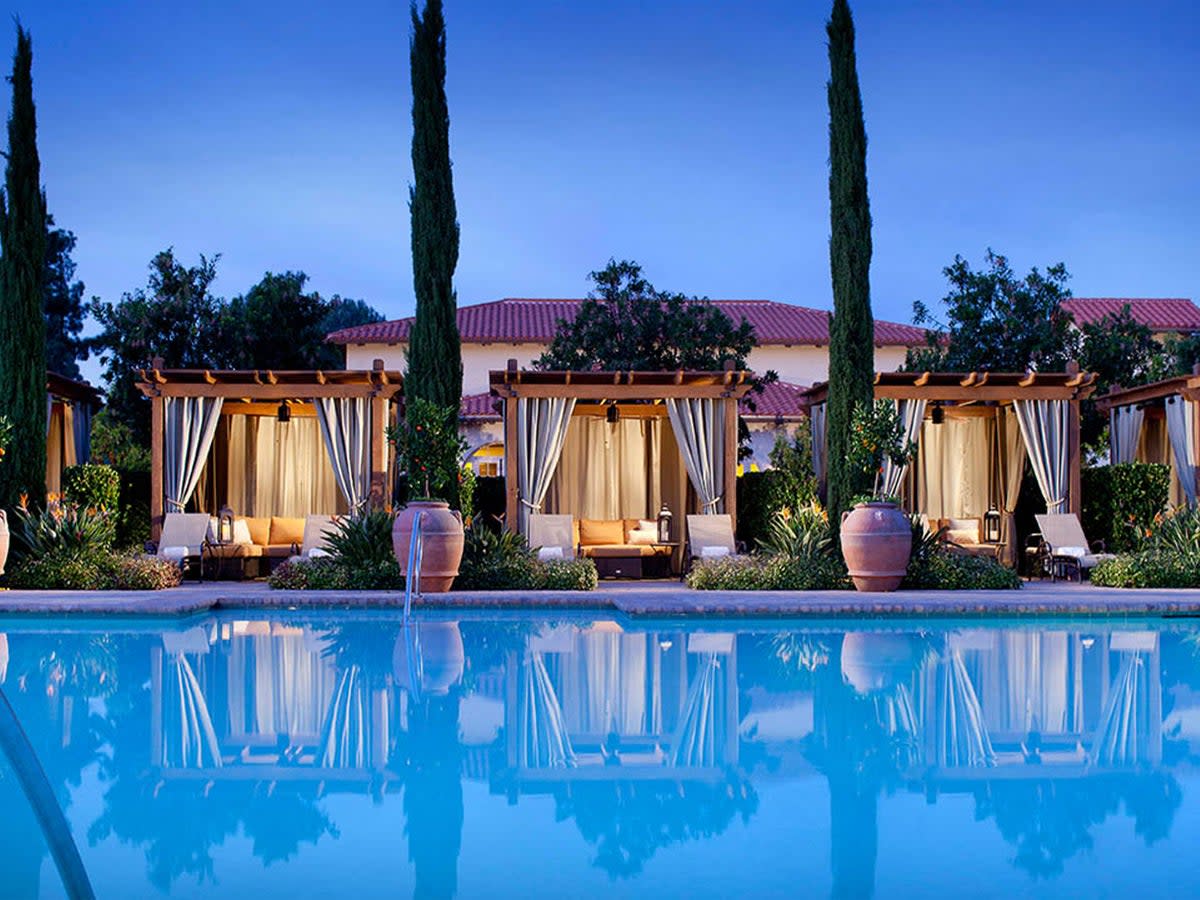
{"points": [[657, 599]]}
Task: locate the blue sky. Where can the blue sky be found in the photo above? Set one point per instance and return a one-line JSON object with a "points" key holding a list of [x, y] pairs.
{"points": [[690, 136]]}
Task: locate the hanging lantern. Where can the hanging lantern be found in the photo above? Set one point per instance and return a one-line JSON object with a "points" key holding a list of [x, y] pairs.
{"points": [[284, 413], [664, 525], [991, 525]]}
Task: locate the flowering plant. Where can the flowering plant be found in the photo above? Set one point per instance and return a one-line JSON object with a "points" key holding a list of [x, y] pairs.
{"points": [[877, 436], [6, 430], [64, 530], [429, 448]]}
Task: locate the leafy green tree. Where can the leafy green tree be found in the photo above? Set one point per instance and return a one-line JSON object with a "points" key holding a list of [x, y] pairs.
{"points": [[435, 349], [1180, 352], [22, 324], [343, 313], [175, 316], [625, 323], [852, 328], [1121, 351], [63, 303], [996, 321], [276, 325]]}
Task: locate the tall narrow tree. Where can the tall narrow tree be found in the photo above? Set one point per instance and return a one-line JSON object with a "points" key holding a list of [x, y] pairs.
{"points": [[852, 329], [22, 324], [435, 349]]}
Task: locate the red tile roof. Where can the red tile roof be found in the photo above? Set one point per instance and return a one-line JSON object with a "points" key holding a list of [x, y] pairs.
{"points": [[517, 320], [778, 399], [1156, 313]]}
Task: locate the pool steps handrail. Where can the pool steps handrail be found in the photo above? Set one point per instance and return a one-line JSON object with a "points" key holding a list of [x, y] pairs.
{"points": [[412, 578]]}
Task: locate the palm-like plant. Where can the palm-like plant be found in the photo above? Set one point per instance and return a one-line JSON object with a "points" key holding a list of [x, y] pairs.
{"points": [[363, 540]]}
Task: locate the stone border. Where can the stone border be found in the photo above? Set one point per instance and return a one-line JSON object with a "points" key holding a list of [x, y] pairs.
{"points": [[662, 600]]}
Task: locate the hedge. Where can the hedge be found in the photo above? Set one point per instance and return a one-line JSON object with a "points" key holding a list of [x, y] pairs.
{"points": [[1121, 501]]}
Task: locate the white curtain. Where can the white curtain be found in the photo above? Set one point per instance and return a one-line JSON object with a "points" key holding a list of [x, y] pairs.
{"points": [[541, 429], [817, 419], [190, 425], [911, 413], [954, 465], [346, 428], [1181, 431], [1044, 426], [610, 470], [699, 427], [1124, 430]]}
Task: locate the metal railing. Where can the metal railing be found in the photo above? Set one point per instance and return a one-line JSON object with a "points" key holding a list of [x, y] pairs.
{"points": [[412, 577]]}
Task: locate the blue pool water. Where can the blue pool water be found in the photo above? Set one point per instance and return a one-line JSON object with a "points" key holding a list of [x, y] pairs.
{"points": [[576, 755]]}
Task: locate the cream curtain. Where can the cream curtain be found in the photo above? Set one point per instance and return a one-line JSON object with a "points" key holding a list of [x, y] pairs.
{"points": [[1012, 472], [54, 449], [190, 425], [279, 469], [699, 428], [953, 461], [911, 413], [1181, 431], [1044, 425], [346, 428], [817, 419], [609, 470], [1124, 431], [541, 430]]}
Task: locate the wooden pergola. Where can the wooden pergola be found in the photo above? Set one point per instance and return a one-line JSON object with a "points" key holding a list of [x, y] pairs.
{"points": [[982, 393], [261, 392], [635, 393], [1152, 398]]}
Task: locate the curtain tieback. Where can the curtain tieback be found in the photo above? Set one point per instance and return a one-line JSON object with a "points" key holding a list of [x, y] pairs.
{"points": [[711, 504], [533, 507], [175, 505]]}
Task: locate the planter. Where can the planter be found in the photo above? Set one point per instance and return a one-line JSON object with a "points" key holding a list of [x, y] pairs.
{"points": [[3, 540], [876, 543], [442, 535], [876, 662]]}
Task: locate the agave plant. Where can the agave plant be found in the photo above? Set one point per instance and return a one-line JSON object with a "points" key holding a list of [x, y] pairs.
{"points": [[802, 534], [62, 529], [363, 540], [1177, 533]]}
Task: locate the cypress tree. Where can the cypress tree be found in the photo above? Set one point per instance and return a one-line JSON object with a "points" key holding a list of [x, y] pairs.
{"points": [[852, 329], [22, 324], [435, 349]]}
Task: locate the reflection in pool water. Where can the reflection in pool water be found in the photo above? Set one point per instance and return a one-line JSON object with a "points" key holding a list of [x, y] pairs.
{"points": [[520, 756]]}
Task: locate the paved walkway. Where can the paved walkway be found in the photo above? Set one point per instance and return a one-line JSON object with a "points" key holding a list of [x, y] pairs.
{"points": [[663, 598]]}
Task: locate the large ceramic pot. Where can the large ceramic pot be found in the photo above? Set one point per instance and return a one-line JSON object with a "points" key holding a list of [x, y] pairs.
{"points": [[442, 543], [3, 540], [873, 662], [876, 543]]}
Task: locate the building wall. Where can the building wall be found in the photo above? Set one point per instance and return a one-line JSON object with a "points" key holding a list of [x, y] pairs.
{"points": [[797, 364]]}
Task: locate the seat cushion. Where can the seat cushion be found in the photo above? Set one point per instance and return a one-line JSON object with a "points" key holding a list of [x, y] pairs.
{"points": [[601, 531], [235, 551], [277, 551], [260, 529], [617, 551], [285, 530]]}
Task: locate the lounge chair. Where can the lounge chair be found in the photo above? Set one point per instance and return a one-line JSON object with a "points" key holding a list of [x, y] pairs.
{"points": [[315, 542], [1064, 549], [183, 539], [553, 536], [710, 537]]}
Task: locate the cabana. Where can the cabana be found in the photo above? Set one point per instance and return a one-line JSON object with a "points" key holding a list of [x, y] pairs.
{"points": [[1159, 423], [975, 431], [70, 406], [619, 445], [268, 443]]}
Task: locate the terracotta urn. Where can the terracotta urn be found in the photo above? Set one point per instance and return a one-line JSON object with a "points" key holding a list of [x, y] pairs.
{"points": [[874, 661], [876, 544], [440, 652], [442, 543], [3, 540]]}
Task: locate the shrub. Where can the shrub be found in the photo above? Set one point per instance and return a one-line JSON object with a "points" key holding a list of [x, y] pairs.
{"points": [[768, 573], [788, 485], [63, 530], [114, 444], [100, 571], [495, 560], [382, 575], [567, 575], [143, 573], [1148, 569], [428, 448], [319, 574], [1122, 501], [945, 571], [92, 486]]}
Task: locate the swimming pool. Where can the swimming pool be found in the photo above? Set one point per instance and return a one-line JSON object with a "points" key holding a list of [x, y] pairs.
{"points": [[493, 755]]}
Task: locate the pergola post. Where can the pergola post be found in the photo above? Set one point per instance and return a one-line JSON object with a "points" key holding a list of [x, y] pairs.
{"points": [[157, 423], [1074, 465], [378, 440], [730, 461], [510, 464]]}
